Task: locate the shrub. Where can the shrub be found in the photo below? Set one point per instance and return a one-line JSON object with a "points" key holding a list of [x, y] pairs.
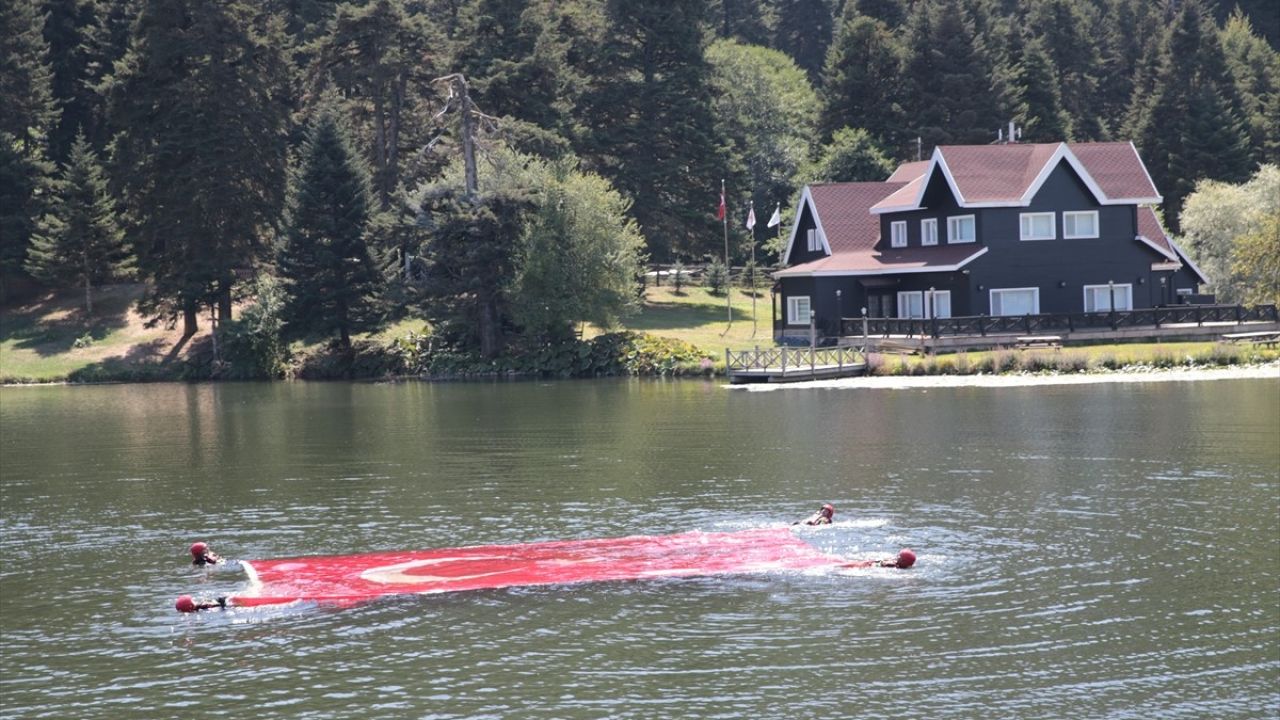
{"points": [[1004, 361], [962, 363], [1107, 361], [678, 276], [1073, 362], [251, 346], [717, 277]]}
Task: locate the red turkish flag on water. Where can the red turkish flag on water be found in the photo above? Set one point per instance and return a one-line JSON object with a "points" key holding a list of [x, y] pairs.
{"points": [[353, 578]]}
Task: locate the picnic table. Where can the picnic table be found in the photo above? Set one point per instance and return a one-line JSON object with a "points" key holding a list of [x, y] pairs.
{"points": [[1038, 341], [1268, 338]]}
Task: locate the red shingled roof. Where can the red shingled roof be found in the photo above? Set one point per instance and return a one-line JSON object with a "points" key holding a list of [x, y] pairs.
{"points": [[1006, 174], [1117, 169], [897, 260], [843, 211]]}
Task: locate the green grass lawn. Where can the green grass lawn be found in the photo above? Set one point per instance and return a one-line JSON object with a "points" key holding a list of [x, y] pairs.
{"points": [[698, 317]]}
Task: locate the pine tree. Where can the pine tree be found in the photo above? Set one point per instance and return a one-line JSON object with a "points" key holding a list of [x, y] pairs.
{"points": [[649, 108], [1064, 27], [382, 58], [1255, 67], [518, 61], [749, 21], [331, 278], [81, 243], [70, 26], [947, 90], [1190, 126], [27, 111], [862, 79], [199, 110], [804, 32], [1043, 118]]}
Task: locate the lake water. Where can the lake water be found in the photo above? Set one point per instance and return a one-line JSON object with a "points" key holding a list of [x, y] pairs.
{"points": [[1107, 551]]}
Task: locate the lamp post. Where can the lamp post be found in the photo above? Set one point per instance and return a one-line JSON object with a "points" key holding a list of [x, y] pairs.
{"points": [[1111, 290], [839, 314]]}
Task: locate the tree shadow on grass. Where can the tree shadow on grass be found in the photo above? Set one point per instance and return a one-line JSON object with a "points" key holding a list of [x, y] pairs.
{"points": [[671, 316], [52, 324]]}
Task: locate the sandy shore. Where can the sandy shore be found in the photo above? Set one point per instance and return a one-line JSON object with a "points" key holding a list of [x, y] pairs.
{"points": [[1253, 372]]}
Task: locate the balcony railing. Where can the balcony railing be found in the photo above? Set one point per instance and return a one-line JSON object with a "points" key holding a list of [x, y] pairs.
{"points": [[1059, 322]]}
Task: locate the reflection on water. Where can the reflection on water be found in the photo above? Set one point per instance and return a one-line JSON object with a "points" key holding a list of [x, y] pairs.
{"points": [[1101, 551]]}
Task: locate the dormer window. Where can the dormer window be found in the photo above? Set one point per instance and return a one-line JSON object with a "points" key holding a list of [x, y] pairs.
{"points": [[929, 231], [1038, 226], [962, 229], [1082, 224], [898, 234]]}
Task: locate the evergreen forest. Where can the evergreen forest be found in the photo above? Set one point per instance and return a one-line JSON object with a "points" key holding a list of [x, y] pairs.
{"points": [[504, 168]]}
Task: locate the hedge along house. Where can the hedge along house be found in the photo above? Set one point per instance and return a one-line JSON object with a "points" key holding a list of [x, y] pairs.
{"points": [[1010, 229]]}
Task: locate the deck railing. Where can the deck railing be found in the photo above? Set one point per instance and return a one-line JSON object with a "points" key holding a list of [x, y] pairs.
{"points": [[1059, 322], [786, 359]]}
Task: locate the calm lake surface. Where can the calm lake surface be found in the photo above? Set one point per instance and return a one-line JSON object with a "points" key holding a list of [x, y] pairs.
{"points": [[1105, 551]]}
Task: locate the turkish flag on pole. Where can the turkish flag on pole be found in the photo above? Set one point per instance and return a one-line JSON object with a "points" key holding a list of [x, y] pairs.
{"points": [[720, 210]]}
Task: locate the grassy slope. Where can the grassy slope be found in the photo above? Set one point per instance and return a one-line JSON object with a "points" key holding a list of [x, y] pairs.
{"points": [[701, 318]]}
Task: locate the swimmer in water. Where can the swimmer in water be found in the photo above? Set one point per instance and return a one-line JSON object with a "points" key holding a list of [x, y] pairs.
{"points": [[904, 560], [822, 517], [201, 555], [187, 604]]}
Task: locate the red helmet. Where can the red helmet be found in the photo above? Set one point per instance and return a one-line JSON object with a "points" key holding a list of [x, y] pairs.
{"points": [[906, 558], [185, 604], [829, 508], [199, 549]]}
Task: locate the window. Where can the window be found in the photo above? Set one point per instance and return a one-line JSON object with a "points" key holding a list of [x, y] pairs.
{"points": [[813, 240], [1097, 298], [961, 229], [929, 231], [1015, 301], [898, 233], [798, 310], [916, 304], [911, 304], [1083, 224], [1038, 226]]}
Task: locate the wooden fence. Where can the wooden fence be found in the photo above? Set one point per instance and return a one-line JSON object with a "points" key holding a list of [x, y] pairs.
{"points": [[784, 359], [1050, 323]]}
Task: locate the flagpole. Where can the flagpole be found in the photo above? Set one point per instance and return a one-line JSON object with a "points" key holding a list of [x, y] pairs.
{"points": [[753, 269], [728, 275]]}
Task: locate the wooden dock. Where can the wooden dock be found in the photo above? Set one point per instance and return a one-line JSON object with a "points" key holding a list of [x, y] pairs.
{"points": [[789, 364]]}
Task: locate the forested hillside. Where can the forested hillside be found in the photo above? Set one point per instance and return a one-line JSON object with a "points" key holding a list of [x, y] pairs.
{"points": [[213, 147]]}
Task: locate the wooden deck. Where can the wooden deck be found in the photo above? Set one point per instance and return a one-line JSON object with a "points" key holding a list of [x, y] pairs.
{"points": [[785, 364]]}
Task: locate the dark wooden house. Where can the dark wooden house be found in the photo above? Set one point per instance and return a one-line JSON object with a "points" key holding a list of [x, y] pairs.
{"points": [[1010, 229]]}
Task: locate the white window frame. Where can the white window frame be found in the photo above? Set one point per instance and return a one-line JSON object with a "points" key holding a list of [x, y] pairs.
{"points": [[953, 221], [929, 231], [991, 299], [926, 307], [898, 234], [904, 298], [1077, 213], [1027, 229], [931, 308], [793, 310], [812, 237], [1123, 290]]}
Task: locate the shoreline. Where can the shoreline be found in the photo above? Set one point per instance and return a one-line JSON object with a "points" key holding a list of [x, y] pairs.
{"points": [[1268, 371]]}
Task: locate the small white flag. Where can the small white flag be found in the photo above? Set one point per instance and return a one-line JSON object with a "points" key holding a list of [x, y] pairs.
{"points": [[751, 217], [777, 216]]}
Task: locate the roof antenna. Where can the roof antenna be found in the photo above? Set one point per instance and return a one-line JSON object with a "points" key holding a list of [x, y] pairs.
{"points": [[919, 149]]}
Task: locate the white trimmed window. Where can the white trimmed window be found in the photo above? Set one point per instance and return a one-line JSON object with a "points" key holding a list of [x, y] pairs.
{"points": [[929, 231], [1015, 301], [1038, 226], [1098, 298], [924, 304], [911, 304], [812, 235], [798, 310], [1082, 224], [898, 234], [962, 229]]}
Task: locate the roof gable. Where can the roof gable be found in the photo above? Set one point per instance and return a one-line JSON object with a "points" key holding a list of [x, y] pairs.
{"points": [[841, 212], [1010, 175]]}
